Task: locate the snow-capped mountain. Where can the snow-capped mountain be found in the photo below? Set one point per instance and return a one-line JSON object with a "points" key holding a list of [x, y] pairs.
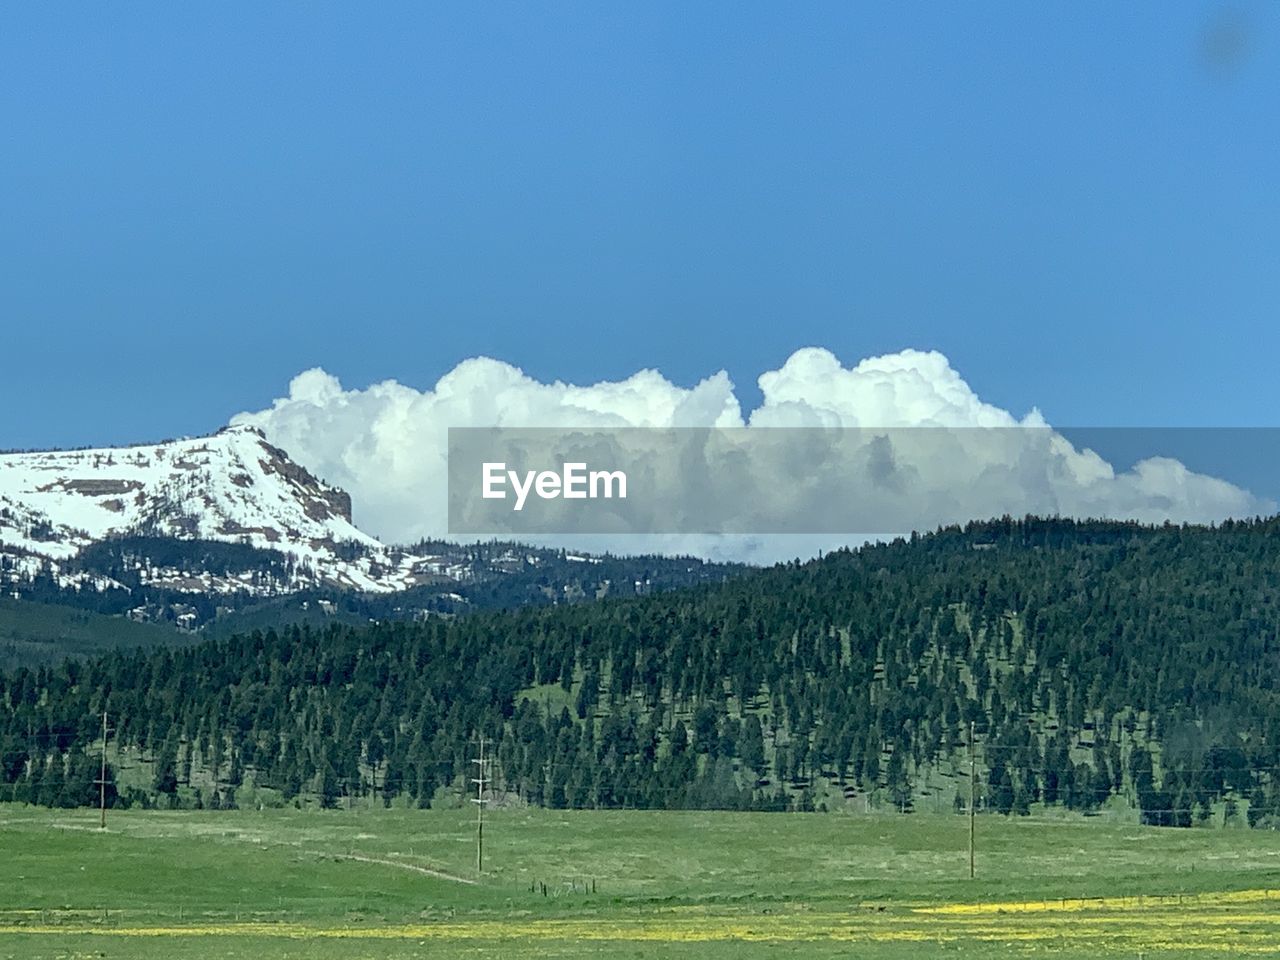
{"points": [[233, 487], [227, 530]]}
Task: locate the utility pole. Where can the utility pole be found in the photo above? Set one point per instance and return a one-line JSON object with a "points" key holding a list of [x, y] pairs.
{"points": [[102, 777], [479, 800], [972, 811]]}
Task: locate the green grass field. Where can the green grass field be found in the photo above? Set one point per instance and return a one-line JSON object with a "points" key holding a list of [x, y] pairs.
{"points": [[400, 884]]}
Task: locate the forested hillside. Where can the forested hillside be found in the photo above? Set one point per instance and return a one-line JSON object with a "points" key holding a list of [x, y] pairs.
{"points": [[135, 610], [1096, 663], [32, 633]]}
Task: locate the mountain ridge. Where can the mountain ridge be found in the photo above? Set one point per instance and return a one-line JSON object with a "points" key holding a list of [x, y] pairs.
{"points": [[228, 528], [232, 486]]}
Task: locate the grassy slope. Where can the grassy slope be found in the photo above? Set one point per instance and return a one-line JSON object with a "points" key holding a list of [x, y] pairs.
{"points": [[35, 633], [768, 885]]}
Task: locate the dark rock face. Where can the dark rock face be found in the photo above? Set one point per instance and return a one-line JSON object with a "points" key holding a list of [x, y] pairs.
{"points": [[329, 502], [97, 488], [320, 500]]}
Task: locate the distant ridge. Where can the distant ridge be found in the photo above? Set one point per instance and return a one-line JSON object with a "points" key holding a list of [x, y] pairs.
{"points": [[230, 487]]}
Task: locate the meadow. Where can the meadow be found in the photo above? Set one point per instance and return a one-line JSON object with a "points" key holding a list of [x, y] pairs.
{"points": [[399, 884]]}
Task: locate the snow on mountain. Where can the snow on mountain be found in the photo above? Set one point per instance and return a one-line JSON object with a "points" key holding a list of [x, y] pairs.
{"points": [[232, 487]]}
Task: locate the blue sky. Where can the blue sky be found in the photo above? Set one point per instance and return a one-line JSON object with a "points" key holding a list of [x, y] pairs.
{"points": [[1077, 204]]}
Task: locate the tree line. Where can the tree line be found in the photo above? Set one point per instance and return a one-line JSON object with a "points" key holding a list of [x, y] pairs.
{"points": [[1091, 663]]}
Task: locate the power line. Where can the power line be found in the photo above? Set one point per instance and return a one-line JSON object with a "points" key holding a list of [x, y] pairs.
{"points": [[972, 809], [102, 777], [480, 800]]}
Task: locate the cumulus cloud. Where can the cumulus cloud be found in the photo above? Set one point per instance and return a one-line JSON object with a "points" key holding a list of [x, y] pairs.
{"points": [[387, 445]]}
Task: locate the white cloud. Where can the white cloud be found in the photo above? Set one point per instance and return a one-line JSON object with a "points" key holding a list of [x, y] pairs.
{"points": [[907, 389], [386, 444]]}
